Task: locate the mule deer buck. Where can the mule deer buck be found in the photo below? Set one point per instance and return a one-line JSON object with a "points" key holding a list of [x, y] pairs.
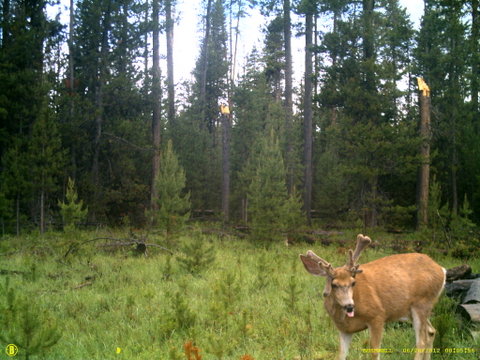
{"points": [[394, 288]]}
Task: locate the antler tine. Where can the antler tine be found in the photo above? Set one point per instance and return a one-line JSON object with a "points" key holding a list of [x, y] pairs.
{"points": [[325, 265], [362, 243]]}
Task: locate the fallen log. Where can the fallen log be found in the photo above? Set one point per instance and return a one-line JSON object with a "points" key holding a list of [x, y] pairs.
{"points": [[473, 294], [458, 287], [459, 272], [140, 246], [470, 311]]}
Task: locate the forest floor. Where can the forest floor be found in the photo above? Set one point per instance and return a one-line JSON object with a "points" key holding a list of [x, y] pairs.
{"points": [[217, 295]]}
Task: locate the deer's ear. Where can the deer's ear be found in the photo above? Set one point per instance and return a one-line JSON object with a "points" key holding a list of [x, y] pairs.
{"points": [[312, 266], [328, 287]]}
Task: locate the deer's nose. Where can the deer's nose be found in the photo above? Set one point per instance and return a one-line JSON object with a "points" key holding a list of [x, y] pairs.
{"points": [[349, 307]]}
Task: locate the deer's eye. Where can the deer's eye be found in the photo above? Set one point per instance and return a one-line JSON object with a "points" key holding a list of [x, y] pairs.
{"points": [[334, 286], [353, 284]]}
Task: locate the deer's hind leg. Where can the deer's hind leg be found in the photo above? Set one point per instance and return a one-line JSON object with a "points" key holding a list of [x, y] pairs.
{"points": [[424, 333]]}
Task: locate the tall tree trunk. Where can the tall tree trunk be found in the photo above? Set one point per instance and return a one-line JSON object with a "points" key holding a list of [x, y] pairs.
{"points": [[102, 64], [475, 86], [42, 211], [145, 49], [17, 211], [226, 116], [424, 170], [203, 75], [233, 42], [454, 166], [5, 24], [370, 115], [71, 79], [308, 115], [315, 56], [226, 130], [287, 34], [368, 45], [170, 75], [156, 95]]}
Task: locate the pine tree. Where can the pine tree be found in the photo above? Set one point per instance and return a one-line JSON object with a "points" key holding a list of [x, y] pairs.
{"points": [[71, 209], [196, 133], [46, 161], [270, 209], [14, 182], [173, 203], [25, 324], [441, 58], [107, 135], [365, 137]]}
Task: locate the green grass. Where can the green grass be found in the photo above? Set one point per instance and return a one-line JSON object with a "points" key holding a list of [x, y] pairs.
{"points": [[252, 299]]}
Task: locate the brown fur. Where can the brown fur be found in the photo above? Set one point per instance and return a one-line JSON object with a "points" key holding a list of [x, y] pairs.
{"points": [[392, 288]]}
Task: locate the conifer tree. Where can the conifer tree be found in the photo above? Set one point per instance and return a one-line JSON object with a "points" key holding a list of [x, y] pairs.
{"points": [[46, 161], [14, 183], [71, 209], [269, 205], [196, 133], [25, 324], [173, 202]]}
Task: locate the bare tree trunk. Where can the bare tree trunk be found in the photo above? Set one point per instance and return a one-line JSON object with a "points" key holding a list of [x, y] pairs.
{"points": [[368, 47], [475, 62], [170, 74], [42, 211], [71, 77], [71, 64], [156, 95], [287, 34], [308, 115], [203, 77], [226, 128], [99, 108], [5, 25], [315, 62], [371, 114], [454, 166], [424, 170], [226, 117], [145, 50], [17, 210]]}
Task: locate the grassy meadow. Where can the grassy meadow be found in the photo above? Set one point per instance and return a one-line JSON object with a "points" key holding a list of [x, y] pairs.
{"points": [[219, 296]]}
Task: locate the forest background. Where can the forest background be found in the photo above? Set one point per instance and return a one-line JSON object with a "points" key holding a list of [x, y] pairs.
{"points": [[88, 101]]}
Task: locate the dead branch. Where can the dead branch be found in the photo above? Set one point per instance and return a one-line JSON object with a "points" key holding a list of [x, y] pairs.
{"points": [[135, 146], [86, 283], [11, 272], [140, 245]]}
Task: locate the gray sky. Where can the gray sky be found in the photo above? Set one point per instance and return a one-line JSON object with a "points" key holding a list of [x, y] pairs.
{"points": [[187, 37]]}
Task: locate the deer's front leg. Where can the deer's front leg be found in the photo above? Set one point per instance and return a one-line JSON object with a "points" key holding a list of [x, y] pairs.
{"points": [[345, 340], [376, 331]]}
